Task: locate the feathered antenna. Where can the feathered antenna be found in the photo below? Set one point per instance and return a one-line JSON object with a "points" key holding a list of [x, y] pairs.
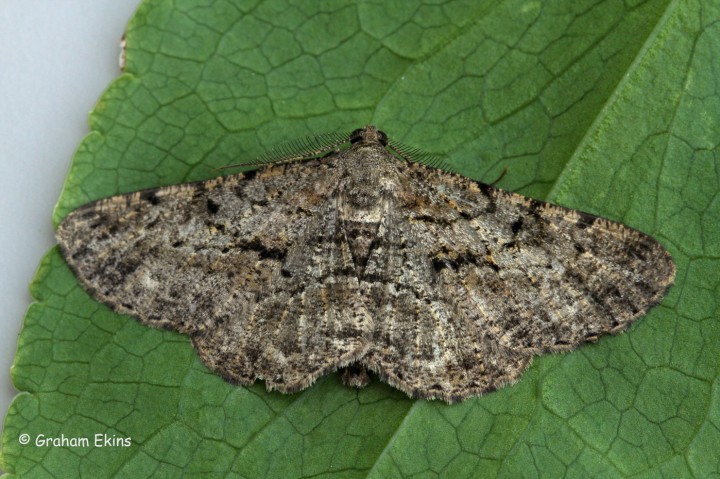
{"points": [[416, 155], [303, 148], [298, 149]]}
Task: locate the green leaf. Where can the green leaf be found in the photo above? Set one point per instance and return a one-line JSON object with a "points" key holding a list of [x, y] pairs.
{"points": [[611, 107]]}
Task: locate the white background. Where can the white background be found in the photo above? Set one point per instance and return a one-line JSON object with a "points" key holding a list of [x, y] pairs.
{"points": [[56, 58]]}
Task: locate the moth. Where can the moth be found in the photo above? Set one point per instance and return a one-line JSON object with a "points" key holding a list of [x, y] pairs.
{"points": [[364, 259]]}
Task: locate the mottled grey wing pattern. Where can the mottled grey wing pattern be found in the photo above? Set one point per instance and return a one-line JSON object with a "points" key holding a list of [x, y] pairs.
{"points": [[443, 286], [487, 279], [429, 339], [239, 263]]}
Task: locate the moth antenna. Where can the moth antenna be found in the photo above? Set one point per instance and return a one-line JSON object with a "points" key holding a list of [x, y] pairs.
{"points": [[301, 148], [416, 155]]}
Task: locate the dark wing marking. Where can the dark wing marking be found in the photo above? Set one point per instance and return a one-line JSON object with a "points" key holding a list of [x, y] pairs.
{"points": [[249, 281], [487, 279]]}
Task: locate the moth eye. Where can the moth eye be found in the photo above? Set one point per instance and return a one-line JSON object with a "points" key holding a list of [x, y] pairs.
{"points": [[356, 136], [382, 137]]}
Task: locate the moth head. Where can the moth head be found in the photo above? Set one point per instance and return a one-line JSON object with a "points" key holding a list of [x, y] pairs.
{"points": [[368, 135]]}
